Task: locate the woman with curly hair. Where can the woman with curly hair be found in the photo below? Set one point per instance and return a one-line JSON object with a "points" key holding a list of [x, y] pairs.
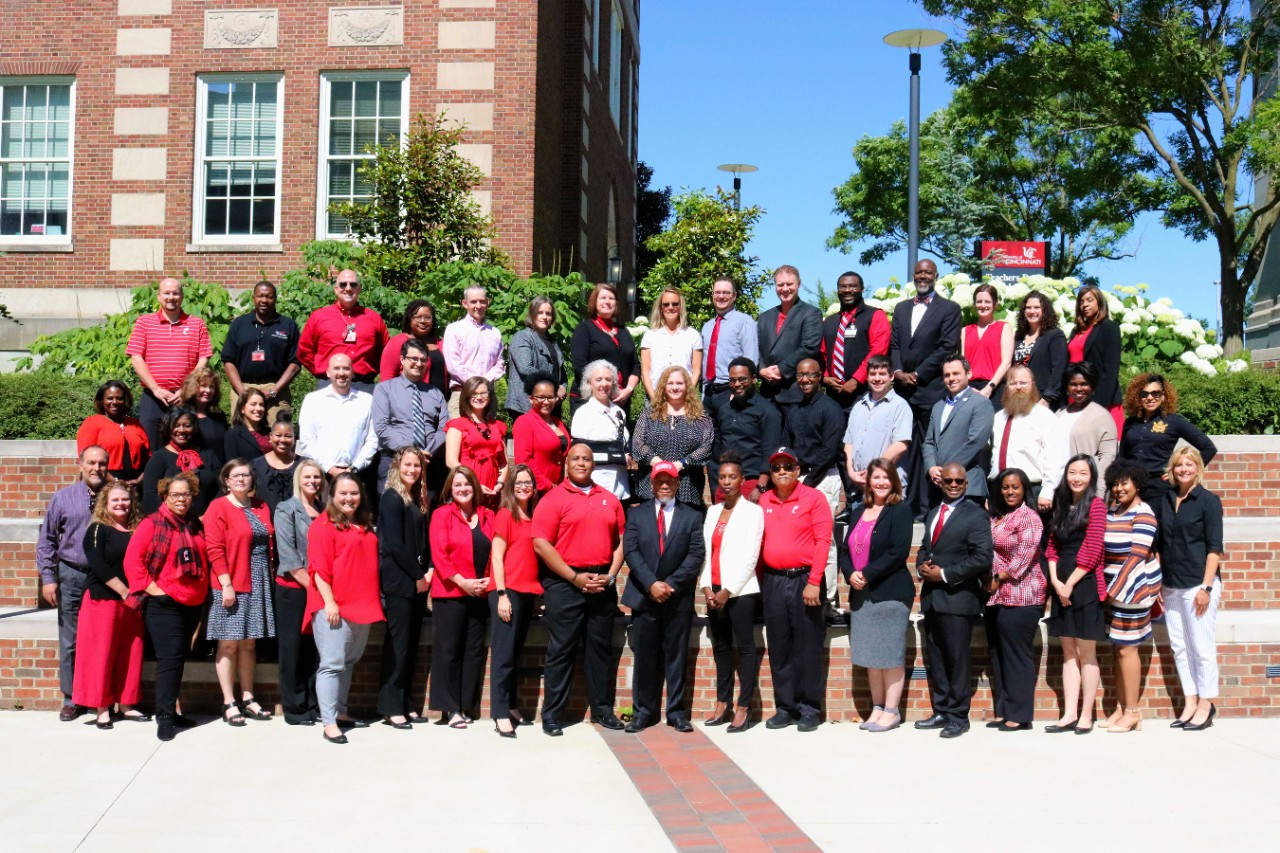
{"points": [[477, 439], [1039, 344], [673, 428], [1096, 339], [1152, 429], [201, 392]]}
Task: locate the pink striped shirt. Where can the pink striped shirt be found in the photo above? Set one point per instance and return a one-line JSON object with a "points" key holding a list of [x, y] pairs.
{"points": [[1016, 538]]}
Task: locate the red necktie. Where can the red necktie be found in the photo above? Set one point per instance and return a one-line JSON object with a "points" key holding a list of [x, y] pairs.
{"points": [[711, 350], [662, 529], [1004, 444], [837, 350], [937, 528], [782, 318]]}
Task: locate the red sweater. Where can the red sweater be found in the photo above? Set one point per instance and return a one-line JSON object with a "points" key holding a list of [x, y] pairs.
{"points": [[100, 430], [451, 551], [347, 560], [797, 531], [229, 539], [178, 586], [538, 446]]}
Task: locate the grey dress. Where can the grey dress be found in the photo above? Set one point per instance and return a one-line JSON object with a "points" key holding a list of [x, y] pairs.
{"points": [[528, 355]]}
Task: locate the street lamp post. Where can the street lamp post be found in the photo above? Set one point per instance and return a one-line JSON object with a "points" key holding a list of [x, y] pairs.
{"points": [[738, 170], [914, 40]]}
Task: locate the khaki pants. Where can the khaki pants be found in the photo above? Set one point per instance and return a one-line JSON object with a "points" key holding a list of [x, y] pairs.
{"points": [[283, 402]]}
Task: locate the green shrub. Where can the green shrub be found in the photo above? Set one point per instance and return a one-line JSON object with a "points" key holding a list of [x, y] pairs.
{"points": [[42, 406], [1245, 403]]}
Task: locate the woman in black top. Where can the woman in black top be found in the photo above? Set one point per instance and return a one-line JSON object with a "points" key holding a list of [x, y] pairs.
{"points": [[1152, 428], [181, 450], [601, 335], [403, 576], [1096, 339], [1191, 547], [273, 471], [673, 428], [109, 649], [201, 392], [250, 434], [1039, 344]]}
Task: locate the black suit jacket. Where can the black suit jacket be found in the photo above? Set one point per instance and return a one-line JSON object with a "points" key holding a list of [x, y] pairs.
{"points": [[1102, 350], [402, 544], [887, 576], [1048, 361], [964, 552], [936, 338], [799, 338], [678, 564]]}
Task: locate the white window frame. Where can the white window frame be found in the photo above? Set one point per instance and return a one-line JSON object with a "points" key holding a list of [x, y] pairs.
{"points": [[595, 35], [18, 242], [198, 236], [322, 159], [616, 26]]}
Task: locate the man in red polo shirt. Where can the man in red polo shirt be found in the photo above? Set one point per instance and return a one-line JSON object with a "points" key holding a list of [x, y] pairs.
{"points": [[577, 533], [347, 327], [164, 348], [797, 535]]}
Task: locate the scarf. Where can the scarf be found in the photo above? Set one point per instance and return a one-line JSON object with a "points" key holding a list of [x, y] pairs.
{"points": [[157, 554]]}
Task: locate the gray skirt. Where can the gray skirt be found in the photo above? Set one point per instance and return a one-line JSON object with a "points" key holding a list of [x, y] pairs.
{"points": [[878, 633]]}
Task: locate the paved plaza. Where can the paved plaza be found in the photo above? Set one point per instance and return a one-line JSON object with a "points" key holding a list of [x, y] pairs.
{"points": [[70, 787]]}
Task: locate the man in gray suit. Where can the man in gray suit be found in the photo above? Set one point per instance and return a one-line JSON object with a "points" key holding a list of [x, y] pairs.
{"points": [[407, 412], [959, 431], [787, 335]]}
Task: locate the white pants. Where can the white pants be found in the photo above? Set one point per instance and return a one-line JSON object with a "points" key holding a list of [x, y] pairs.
{"points": [[832, 489], [1193, 639]]}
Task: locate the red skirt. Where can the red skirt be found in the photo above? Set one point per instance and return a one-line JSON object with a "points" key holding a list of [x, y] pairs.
{"points": [[108, 654]]}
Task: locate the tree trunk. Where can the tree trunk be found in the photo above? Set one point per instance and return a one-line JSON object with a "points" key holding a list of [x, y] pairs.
{"points": [[1232, 304]]}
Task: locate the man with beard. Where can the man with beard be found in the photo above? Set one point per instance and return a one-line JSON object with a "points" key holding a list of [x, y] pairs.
{"points": [[849, 339], [747, 424], [1023, 436], [959, 431]]}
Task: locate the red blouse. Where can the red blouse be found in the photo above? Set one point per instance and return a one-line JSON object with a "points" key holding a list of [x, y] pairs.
{"points": [[451, 551], [519, 562], [485, 456], [112, 437], [347, 560], [1075, 346], [983, 352], [538, 446]]}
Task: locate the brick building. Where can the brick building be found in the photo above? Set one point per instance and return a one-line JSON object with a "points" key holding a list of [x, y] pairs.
{"points": [[148, 136]]}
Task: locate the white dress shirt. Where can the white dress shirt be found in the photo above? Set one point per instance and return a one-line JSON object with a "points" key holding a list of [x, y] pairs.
{"points": [[1034, 446], [337, 431]]}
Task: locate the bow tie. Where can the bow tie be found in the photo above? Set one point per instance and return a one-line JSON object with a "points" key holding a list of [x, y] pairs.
{"points": [[923, 300]]}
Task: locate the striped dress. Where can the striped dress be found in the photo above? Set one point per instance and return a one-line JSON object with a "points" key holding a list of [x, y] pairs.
{"points": [[1132, 572]]}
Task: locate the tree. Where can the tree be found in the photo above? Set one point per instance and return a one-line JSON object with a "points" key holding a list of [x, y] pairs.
{"points": [[1183, 76], [422, 213], [653, 209], [708, 238]]}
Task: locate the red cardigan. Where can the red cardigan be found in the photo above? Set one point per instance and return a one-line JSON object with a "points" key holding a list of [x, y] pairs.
{"points": [[347, 560], [538, 446], [451, 552], [229, 539]]}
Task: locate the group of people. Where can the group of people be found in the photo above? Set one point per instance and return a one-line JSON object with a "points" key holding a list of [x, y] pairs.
{"points": [[396, 486]]}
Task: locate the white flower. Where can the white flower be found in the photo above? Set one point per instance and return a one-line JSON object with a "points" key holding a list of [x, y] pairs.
{"points": [[1189, 357], [1129, 329], [1152, 330], [1017, 291], [961, 278], [1209, 351], [1071, 282], [1237, 365], [1206, 368], [1188, 329], [962, 295], [1114, 305], [1164, 300]]}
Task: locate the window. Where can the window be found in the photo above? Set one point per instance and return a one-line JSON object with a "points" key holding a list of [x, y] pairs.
{"points": [[35, 159], [615, 66], [357, 111], [237, 197], [594, 29]]}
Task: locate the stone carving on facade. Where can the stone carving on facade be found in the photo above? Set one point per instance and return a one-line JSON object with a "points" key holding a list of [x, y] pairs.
{"points": [[366, 25], [240, 28]]}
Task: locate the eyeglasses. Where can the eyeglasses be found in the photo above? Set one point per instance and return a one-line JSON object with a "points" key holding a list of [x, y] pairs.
{"points": [[670, 304], [1142, 395], [808, 376], [540, 399], [179, 496], [240, 476], [523, 484], [783, 466], [954, 481], [479, 396], [347, 285], [413, 359]]}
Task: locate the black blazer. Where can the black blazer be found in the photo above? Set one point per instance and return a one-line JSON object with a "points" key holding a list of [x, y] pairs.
{"points": [[679, 564], [1102, 350], [402, 546], [937, 338], [1047, 362], [589, 343], [799, 338], [887, 576], [964, 551], [239, 443]]}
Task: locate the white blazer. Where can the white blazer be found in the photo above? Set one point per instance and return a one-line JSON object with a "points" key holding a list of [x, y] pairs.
{"points": [[739, 548]]}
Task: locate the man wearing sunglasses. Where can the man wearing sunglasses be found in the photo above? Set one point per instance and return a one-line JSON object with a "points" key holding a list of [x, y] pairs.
{"points": [[955, 554], [347, 327]]}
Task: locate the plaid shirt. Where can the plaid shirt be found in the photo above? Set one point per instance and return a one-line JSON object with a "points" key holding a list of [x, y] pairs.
{"points": [[1016, 538]]}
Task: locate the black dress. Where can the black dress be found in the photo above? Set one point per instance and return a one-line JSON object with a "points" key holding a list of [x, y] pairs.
{"points": [[673, 439], [1084, 619], [273, 485], [242, 443], [213, 433], [164, 463]]}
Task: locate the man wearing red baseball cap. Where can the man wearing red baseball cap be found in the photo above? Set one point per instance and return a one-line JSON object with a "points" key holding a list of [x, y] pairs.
{"points": [[797, 536]]}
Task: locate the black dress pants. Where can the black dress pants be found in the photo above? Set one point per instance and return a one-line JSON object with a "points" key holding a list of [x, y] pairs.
{"points": [[457, 655], [795, 633], [571, 613], [1011, 634], [947, 639], [917, 495], [170, 626], [506, 645], [660, 650], [733, 629], [400, 652], [297, 656]]}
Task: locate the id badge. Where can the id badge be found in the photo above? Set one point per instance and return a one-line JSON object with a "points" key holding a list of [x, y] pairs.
{"points": [[350, 337], [258, 355], [851, 332]]}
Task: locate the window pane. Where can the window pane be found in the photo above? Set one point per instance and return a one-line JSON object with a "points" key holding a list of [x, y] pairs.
{"points": [[239, 214], [215, 217], [10, 139], [391, 99], [37, 102], [13, 100], [340, 137], [366, 133], [367, 98], [264, 217], [264, 184], [363, 188], [342, 98], [36, 140], [265, 144], [218, 100], [340, 178], [241, 180]]}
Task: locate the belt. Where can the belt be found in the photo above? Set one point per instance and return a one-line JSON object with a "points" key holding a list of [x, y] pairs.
{"points": [[367, 377], [84, 570], [788, 573], [582, 570]]}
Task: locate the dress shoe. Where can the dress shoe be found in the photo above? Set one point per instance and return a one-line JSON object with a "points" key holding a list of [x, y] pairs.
{"points": [[136, 716], [552, 728], [183, 722], [1080, 730], [837, 618], [937, 721], [105, 726], [353, 724], [1177, 724], [638, 723], [746, 724], [726, 717], [386, 721], [780, 720], [995, 724], [809, 723], [166, 728], [520, 721], [951, 730], [609, 721], [1011, 726], [501, 733], [1136, 725], [887, 727], [866, 724], [68, 713], [680, 724], [1208, 721], [417, 719], [307, 720], [341, 738], [1057, 729]]}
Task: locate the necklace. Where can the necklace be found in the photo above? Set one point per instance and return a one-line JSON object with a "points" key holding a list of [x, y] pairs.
{"points": [[861, 544]]}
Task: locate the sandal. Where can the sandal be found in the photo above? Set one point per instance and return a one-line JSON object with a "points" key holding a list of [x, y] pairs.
{"points": [[236, 719], [247, 709], [459, 723]]}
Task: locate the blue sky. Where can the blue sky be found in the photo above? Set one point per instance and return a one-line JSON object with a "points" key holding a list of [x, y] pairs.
{"points": [[790, 88]]}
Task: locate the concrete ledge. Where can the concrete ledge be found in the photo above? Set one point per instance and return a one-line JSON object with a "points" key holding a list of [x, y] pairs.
{"points": [[19, 530], [28, 449], [1246, 443]]}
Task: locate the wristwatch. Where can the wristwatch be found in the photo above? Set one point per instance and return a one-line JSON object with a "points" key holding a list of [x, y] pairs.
{"points": [[1208, 589]]}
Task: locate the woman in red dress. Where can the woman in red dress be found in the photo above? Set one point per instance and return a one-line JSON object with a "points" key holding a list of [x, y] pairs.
{"points": [[478, 440], [541, 438], [988, 343]]}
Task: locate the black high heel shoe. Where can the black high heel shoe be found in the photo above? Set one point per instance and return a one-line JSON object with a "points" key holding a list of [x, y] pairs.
{"points": [[501, 733], [726, 717], [1208, 721]]}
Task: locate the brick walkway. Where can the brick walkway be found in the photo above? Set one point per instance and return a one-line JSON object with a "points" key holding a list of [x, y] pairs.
{"points": [[702, 799]]}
